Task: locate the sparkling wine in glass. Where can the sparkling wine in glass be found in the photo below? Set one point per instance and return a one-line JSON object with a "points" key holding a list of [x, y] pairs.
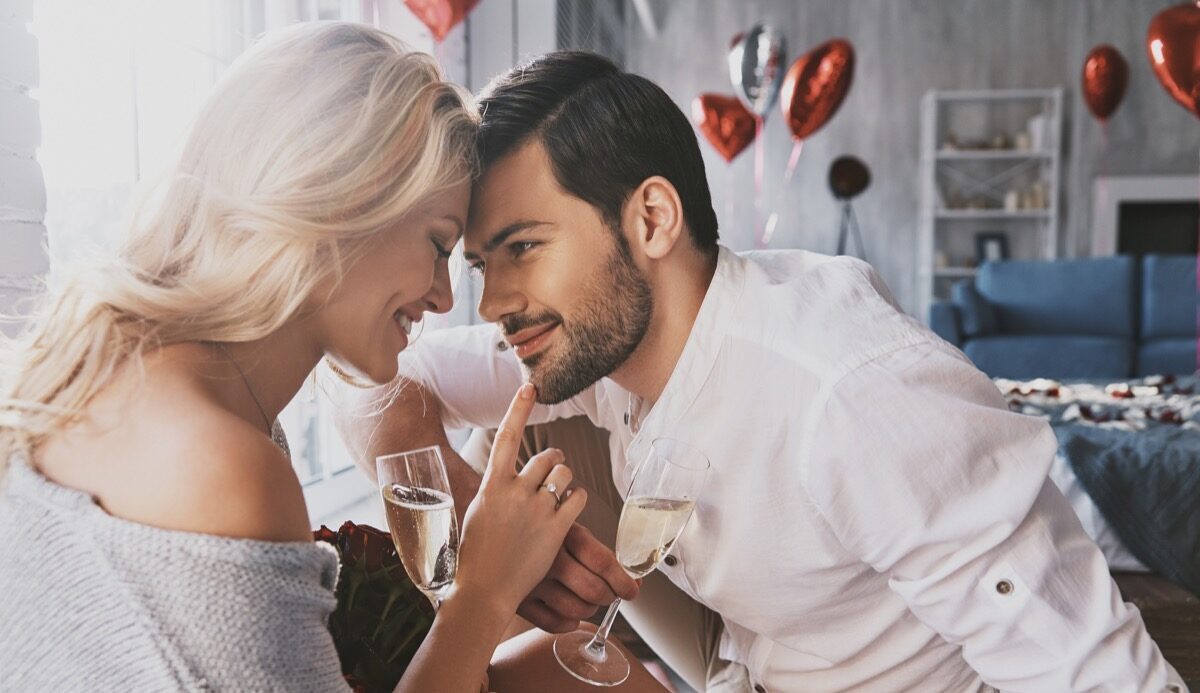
{"points": [[657, 508], [420, 514]]}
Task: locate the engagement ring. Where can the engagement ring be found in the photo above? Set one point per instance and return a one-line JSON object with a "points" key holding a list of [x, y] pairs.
{"points": [[553, 489]]}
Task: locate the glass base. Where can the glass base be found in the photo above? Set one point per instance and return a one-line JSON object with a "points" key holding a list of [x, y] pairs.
{"points": [[606, 667]]}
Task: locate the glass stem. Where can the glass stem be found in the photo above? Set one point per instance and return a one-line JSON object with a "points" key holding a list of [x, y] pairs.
{"points": [[599, 640]]}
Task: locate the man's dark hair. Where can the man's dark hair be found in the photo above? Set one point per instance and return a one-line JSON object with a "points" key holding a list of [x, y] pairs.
{"points": [[604, 130]]}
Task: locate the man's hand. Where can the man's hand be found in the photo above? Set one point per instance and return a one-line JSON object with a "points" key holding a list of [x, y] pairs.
{"points": [[584, 577]]}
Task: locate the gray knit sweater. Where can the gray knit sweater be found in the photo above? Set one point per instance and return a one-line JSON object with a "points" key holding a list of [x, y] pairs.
{"points": [[90, 602]]}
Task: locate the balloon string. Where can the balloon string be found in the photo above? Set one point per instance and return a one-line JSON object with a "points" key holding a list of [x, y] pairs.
{"points": [[1102, 170], [759, 165], [729, 194], [792, 161], [773, 220], [1198, 296]]}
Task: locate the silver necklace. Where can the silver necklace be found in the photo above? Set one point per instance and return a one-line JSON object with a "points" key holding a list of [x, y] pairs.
{"points": [[246, 382]]}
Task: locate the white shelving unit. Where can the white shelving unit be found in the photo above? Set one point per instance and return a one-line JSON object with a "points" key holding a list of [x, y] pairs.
{"points": [[981, 152]]}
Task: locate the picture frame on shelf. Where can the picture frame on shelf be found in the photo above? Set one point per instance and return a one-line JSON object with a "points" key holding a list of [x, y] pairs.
{"points": [[990, 246]]}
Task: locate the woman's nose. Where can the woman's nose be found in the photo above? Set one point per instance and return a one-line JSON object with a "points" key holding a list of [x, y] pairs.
{"points": [[440, 297]]}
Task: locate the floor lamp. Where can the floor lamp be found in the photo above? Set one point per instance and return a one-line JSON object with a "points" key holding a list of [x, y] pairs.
{"points": [[848, 176]]}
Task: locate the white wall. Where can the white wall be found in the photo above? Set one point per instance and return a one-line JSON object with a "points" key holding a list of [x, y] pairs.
{"points": [[504, 33], [23, 259]]}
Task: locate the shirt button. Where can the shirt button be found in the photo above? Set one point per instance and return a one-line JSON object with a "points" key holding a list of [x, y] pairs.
{"points": [[671, 561], [1004, 587], [758, 688]]}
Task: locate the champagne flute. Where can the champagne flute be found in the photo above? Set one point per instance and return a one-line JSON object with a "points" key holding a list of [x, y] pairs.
{"points": [[421, 517], [659, 503]]}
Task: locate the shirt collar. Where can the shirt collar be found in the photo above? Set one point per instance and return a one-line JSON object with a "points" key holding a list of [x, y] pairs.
{"points": [[699, 356]]}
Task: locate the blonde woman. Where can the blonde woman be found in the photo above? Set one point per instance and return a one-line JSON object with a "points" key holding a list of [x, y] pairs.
{"points": [[152, 535]]}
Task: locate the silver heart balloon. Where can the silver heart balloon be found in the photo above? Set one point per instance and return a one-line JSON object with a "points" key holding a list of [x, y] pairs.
{"points": [[757, 61]]}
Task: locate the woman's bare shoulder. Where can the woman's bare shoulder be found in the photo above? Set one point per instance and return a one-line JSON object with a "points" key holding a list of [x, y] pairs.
{"points": [[227, 478], [168, 454]]}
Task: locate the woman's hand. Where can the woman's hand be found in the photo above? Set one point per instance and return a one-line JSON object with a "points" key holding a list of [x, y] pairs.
{"points": [[516, 525], [511, 532]]}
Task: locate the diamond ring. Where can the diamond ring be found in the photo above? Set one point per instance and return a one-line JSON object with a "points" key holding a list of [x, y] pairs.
{"points": [[553, 489]]}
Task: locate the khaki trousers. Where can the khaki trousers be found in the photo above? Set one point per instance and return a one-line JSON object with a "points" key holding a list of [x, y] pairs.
{"points": [[682, 632]]}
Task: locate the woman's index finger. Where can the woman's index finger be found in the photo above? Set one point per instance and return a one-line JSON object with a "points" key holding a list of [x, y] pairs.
{"points": [[508, 436]]}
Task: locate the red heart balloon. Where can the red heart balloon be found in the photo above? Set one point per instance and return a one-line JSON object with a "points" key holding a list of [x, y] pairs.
{"points": [[815, 86], [1173, 42], [1105, 76], [441, 15], [727, 124]]}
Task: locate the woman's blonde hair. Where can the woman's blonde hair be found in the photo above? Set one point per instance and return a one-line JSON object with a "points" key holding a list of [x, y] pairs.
{"points": [[316, 138]]}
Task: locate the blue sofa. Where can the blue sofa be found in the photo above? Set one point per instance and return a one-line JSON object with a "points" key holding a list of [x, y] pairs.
{"points": [[1108, 317]]}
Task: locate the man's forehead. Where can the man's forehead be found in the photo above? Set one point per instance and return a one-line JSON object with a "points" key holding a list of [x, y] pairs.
{"points": [[515, 187], [524, 172], [485, 219]]}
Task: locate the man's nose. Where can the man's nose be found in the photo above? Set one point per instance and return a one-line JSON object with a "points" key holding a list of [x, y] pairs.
{"points": [[500, 296]]}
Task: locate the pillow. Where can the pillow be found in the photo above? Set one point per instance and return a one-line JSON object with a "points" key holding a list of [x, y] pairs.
{"points": [[978, 316]]}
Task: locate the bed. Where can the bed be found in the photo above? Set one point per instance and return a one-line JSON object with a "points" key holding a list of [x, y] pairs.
{"points": [[1129, 463]]}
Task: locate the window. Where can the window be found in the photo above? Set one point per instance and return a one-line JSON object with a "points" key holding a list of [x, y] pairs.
{"points": [[120, 82]]}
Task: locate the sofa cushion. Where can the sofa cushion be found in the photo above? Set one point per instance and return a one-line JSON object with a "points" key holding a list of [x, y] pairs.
{"points": [[944, 318], [1023, 357], [978, 316], [1093, 296], [1175, 356], [1168, 296]]}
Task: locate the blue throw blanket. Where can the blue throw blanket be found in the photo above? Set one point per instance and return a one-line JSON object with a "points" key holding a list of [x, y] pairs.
{"points": [[1135, 448]]}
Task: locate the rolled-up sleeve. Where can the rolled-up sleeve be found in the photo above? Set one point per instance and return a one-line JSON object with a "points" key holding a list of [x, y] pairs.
{"points": [[923, 473], [475, 379]]}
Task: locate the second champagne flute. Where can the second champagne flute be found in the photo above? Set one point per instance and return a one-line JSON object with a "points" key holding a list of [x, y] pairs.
{"points": [[659, 503], [421, 517]]}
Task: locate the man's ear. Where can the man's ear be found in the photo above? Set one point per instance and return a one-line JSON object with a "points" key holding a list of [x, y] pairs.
{"points": [[654, 217]]}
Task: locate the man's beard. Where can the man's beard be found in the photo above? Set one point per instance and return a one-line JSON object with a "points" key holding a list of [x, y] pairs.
{"points": [[607, 326]]}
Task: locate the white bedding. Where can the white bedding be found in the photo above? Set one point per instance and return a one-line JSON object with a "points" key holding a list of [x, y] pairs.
{"points": [[1131, 406]]}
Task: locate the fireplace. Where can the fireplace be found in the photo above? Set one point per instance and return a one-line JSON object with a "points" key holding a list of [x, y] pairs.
{"points": [[1164, 227], [1146, 214]]}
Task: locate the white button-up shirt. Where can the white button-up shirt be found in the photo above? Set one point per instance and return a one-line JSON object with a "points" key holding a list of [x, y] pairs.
{"points": [[875, 518]]}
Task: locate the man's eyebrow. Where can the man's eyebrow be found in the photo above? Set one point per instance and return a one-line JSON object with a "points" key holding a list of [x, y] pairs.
{"points": [[502, 235]]}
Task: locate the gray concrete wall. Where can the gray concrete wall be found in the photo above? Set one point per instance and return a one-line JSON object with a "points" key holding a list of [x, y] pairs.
{"points": [[904, 48]]}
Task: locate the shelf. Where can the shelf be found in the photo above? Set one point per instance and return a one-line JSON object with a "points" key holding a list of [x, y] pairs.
{"points": [[964, 170], [989, 154], [992, 214]]}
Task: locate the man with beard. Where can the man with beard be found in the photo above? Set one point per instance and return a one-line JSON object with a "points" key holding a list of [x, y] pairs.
{"points": [[875, 517]]}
